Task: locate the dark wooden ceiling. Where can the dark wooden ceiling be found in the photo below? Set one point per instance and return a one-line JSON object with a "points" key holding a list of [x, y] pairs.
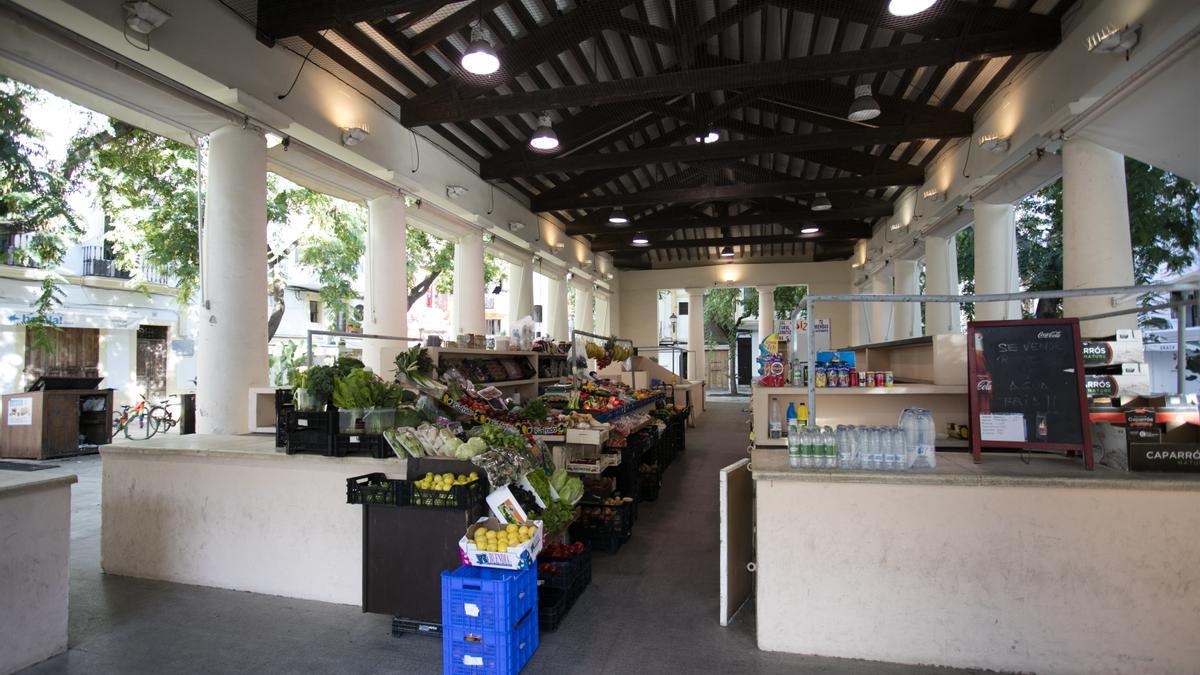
{"points": [[630, 83]]}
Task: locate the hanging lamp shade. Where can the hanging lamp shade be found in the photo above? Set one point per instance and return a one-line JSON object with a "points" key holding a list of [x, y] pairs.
{"points": [[727, 252], [543, 137], [864, 106], [640, 240], [820, 203], [909, 7], [618, 218], [480, 57]]}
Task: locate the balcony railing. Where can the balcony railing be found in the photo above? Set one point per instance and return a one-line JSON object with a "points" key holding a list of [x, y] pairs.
{"points": [[12, 247], [96, 265]]}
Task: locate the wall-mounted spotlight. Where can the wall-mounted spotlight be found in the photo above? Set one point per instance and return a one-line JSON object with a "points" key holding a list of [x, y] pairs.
{"points": [[514, 226], [1113, 40], [144, 17], [488, 237], [570, 276], [455, 191], [994, 143], [934, 196], [354, 135]]}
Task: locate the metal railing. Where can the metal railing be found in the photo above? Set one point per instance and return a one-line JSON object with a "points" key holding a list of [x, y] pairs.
{"points": [[357, 336], [1191, 287]]}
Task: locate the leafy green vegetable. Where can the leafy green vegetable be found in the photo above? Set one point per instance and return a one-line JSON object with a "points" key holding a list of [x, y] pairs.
{"points": [[415, 361], [557, 516], [536, 410], [541, 484], [362, 389], [345, 364], [319, 380]]}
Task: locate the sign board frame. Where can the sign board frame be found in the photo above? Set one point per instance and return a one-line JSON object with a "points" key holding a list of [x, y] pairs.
{"points": [[1084, 447]]}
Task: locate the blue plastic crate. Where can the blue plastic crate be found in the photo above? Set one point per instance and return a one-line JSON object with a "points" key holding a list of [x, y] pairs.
{"points": [[482, 598], [486, 652]]}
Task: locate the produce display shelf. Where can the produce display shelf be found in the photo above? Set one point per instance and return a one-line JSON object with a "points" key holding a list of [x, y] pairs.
{"points": [[505, 383], [895, 390]]}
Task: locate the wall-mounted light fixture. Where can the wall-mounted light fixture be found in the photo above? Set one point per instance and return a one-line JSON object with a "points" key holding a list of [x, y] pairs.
{"points": [[994, 143], [455, 191], [934, 196], [488, 237], [144, 17], [1114, 40], [514, 226], [354, 135]]}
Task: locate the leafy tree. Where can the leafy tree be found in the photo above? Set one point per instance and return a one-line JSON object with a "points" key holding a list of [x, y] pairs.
{"points": [[1164, 213], [33, 200], [431, 265], [724, 311], [146, 185], [787, 299]]}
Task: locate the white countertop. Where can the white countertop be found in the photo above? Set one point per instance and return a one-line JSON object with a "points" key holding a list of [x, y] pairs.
{"points": [[250, 446], [12, 482], [996, 469]]}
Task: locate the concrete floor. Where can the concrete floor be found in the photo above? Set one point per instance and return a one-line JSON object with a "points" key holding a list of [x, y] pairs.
{"points": [[651, 608]]}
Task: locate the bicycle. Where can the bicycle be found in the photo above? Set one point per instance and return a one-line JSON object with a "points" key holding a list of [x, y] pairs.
{"points": [[143, 419]]}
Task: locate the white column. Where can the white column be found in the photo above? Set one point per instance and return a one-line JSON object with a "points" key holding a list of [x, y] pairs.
{"points": [[385, 310], [118, 364], [1096, 248], [231, 353], [603, 327], [996, 260], [766, 311], [468, 285], [907, 321], [520, 292], [12, 359], [881, 313], [556, 310], [585, 310], [941, 278], [697, 359]]}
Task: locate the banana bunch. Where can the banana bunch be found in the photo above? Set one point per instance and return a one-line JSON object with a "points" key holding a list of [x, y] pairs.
{"points": [[620, 352], [594, 351]]}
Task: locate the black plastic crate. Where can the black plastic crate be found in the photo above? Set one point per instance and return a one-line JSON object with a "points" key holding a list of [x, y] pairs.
{"points": [[371, 444], [600, 525], [650, 486], [376, 489], [564, 572], [466, 496], [608, 543], [310, 431], [402, 627], [553, 605]]}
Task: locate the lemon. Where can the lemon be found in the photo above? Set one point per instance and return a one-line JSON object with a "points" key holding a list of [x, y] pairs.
{"points": [[511, 528], [491, 534], [474, 475]]}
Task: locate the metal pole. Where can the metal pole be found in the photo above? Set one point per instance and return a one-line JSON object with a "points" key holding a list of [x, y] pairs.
{"points": [[370, 336], [1180, 348], [812, 360]]}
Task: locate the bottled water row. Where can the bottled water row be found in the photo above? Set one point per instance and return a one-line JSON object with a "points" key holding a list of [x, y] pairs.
{"points": [[859, 447]]}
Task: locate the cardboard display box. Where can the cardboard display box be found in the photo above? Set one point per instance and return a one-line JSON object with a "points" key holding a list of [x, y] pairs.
{"points": [[1147, 442], [1133, 380], [1126, 347]]}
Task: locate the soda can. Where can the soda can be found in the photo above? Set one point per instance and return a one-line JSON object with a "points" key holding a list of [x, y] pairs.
{"points": [[854, 378], [888, 379], [819, 377], [876, 378]]}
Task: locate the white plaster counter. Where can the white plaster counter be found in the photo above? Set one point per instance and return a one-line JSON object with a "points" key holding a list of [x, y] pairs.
{"points": [[1039, 567], [35, 552], [233, 512]]}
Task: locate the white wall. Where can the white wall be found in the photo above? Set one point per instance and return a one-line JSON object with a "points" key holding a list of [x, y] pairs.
{"points": [[1032, 579], [35, 528], [639, 291]]}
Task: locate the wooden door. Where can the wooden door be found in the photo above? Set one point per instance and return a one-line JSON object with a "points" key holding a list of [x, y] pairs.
{"points": [[745, 360], [737, 538], [73, 352], [152, 361]]}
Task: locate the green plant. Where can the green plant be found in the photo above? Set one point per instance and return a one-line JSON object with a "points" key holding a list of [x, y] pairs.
{"points": [[318, 380], [285, 368], [363, 389]]}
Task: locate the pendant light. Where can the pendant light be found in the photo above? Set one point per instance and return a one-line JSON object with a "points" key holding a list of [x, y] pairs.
{"points": [[820, 203], [618, 218], [543, 137], [810, 230], [727, 252], [909, 7], [480, 57], [864, 106], [640, 240], [709, 136]]}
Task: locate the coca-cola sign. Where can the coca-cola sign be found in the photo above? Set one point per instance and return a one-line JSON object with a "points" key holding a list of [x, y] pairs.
{"points": [[983, 385], [1050, 335]]}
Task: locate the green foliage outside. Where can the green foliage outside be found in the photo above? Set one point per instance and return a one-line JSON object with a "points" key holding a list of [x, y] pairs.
{"points": [[725, 309], [33, 200], [1164, 214], [431, 265]]}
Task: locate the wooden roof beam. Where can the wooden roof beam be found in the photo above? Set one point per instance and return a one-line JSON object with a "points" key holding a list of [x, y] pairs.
{"points": [[842, 214]]}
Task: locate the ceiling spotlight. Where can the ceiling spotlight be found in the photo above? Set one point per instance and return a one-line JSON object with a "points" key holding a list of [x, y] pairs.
{"points": [[354, 135], [934, 196], [543, 137], [864, 106], [618, 218], [810, 230], [909, 7], [727, 252], [640, 240], [820, 203], [993, 143], [480, 57], [1112, 40], [710, 136], [144, 17]]}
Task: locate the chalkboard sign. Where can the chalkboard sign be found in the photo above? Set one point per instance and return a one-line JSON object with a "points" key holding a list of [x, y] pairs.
{"points": [[1025, 381]]}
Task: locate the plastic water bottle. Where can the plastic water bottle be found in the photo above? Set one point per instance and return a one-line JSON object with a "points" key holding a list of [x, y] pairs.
{"points": [[806, 445], [793, 436], [830, 448], [845, 450], [774, 421], [874, 455], [920, 437], [891, 452], [860, 459], [901, 443]]}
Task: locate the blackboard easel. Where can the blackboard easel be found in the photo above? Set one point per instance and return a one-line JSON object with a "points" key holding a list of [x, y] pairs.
{"points": [[1025, 385]]}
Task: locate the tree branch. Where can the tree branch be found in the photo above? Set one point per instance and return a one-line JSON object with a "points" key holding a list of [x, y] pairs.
{"points": [[422, 287]]}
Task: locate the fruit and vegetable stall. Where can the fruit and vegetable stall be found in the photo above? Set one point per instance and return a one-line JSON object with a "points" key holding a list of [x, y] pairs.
{"points": [[499, 492]]}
